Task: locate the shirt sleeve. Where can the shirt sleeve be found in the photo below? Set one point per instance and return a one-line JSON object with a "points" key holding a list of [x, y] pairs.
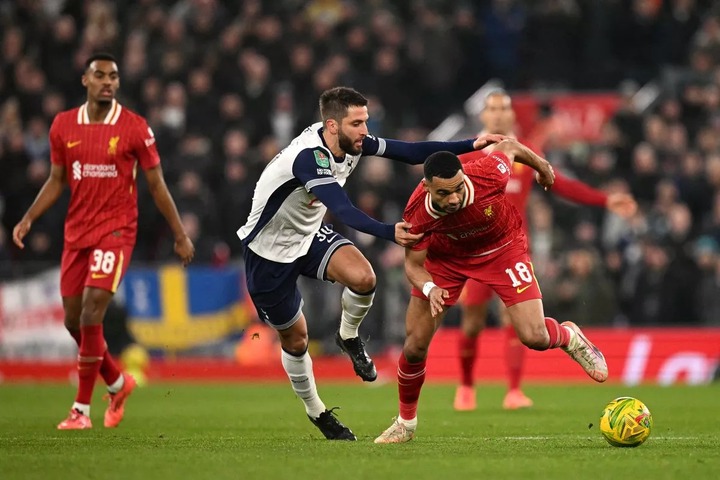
{"points": [[495, 168], [57, 149], [413, 153], [577, 191], [334, 197], [145, 147], [423, 244], [312, 168], [412, 216]]}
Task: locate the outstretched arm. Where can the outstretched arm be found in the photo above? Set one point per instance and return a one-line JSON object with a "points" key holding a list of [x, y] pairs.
{"points": [[48, 195], [578, 192], [184, 247], [415, 153], [622, 204], [334, 197]]}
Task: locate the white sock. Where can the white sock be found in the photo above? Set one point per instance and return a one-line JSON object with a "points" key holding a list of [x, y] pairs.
{"points": [[409, 424], [82, 408], [117, 384], [300, 373], [355, 306]]}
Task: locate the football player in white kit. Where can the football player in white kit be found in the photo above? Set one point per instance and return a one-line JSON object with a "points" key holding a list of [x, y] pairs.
{"points": [[284, 237]]}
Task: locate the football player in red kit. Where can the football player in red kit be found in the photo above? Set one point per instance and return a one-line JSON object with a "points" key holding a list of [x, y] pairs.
{"points": [[498, 117], [95, 150], [472, 231]]}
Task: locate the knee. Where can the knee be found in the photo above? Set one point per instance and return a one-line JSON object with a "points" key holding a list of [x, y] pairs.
{"points": [[415, 350], [535, 337], [364, 282], [295, 344]]}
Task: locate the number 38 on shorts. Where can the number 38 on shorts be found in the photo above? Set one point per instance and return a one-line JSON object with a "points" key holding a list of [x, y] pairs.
{"points": [[107, 266]]}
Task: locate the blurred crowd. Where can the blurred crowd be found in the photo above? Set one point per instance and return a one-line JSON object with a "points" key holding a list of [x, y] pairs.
{"points": [[226, 84]]}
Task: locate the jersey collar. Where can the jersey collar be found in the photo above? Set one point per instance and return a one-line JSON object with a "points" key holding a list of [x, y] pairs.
{"points": [[110, 119]]}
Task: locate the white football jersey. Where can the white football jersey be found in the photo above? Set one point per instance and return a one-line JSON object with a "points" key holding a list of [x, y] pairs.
{"points": [[285, 216]]}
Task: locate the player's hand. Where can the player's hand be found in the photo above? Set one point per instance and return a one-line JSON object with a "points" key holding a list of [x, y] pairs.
{"points": [[437, 300], [20, 230], [185, 249], [545, 175], [403, 237], [485, 140], [622, 204]]}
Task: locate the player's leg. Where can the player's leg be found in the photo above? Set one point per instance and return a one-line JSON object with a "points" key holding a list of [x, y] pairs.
{"points": [[511, 274], [90, 356], [541, 333], [475, 299], [273, 289], [108, 264], [514, 361], [76, 274], [347, 266], [299, 368], [420, 327], [109, 370]]}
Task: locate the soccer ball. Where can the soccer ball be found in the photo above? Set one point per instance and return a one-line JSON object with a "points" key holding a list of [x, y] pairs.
{"points": [[626, 422]]}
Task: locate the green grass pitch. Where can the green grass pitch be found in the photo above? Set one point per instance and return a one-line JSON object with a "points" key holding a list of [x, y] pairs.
{"points": [[254, 431]]}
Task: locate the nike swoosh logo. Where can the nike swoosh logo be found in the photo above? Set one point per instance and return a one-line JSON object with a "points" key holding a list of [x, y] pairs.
{"points": [[96, 276], [73, 144], [521, 290]]}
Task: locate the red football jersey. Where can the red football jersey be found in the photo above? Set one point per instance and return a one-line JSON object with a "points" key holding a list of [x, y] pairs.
{"points": [[486, 220], [101, 166]]}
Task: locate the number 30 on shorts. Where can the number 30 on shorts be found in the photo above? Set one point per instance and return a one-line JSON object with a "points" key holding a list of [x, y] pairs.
{"points": [[103, 261], [521, 273]]}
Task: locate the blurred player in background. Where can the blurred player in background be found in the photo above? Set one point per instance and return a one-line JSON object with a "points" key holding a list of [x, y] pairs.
{"points": [[472, 231], [95, 150], [284, 237], [498, 117]]}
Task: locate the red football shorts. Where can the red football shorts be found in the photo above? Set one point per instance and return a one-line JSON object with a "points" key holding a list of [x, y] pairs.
{"points": [[102, 266], [507, 271]]}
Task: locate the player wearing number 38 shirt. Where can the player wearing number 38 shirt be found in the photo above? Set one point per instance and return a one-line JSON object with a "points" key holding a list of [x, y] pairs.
{"points": [[96, 150], [472, 231]]}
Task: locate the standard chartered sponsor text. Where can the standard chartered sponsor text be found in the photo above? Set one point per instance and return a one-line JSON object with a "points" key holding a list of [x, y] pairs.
{"points": [[99, 170]]}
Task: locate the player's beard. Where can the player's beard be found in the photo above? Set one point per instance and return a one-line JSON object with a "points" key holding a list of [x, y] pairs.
{"points": [[346, 144], [448, 208], [452, 208]]}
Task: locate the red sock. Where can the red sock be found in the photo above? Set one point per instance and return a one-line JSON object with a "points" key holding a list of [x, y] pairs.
{"points": [[559, 335], [92, 348], [411, 377], [467, 347], [514, 357], [109, 371]]}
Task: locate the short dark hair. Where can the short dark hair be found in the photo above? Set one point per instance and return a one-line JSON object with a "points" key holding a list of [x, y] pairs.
{"points": [[442, 165], [99, 56], [334, 103]]}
